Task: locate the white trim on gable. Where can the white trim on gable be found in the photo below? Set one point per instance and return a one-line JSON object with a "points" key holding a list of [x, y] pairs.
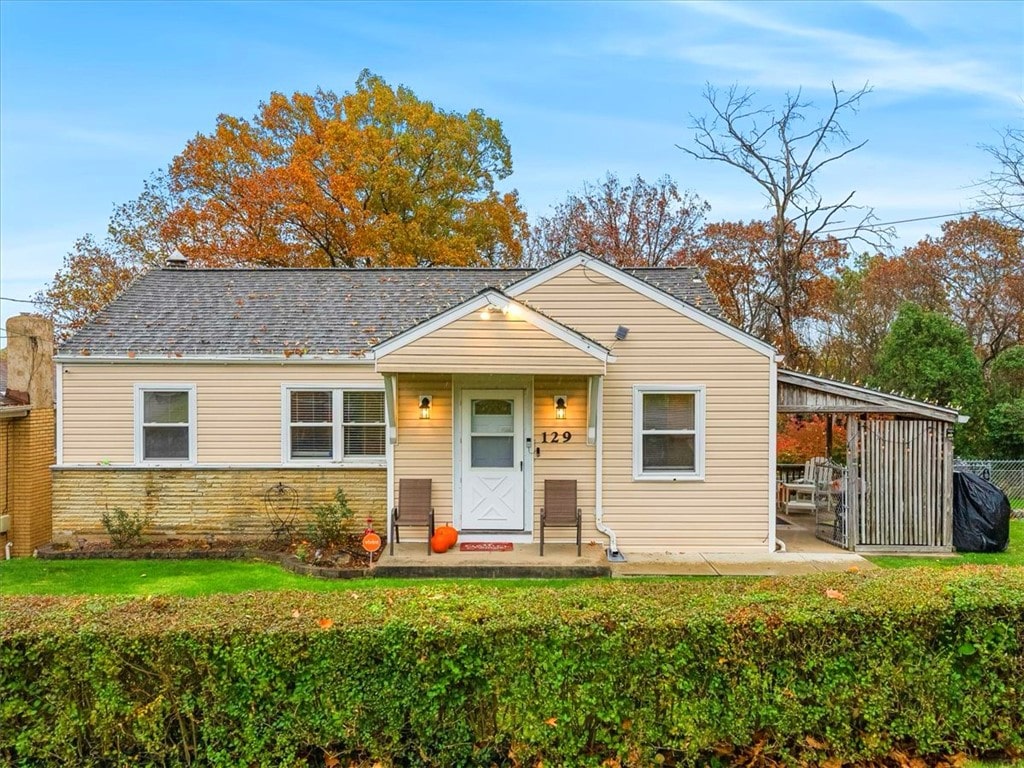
{"points": [[643, 288], [493, 298]]}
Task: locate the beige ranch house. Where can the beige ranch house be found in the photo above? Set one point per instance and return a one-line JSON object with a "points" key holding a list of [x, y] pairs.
{"points": [[199, 391]]}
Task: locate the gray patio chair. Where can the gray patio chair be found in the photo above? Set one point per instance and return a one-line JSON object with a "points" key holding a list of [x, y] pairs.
{"points": [[414, 508], [560, 511]]}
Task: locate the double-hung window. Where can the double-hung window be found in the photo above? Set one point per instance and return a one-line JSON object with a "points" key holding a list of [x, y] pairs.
{"points": [[333, 424], [668, 432], [165, 423]]}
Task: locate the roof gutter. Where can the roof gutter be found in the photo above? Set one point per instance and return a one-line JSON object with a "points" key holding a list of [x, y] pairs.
{"points": [[14, 411], [295, 359]]}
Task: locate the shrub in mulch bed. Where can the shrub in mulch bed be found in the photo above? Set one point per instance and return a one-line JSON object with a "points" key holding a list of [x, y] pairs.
{"points": [[346, 559], [882, 668]]}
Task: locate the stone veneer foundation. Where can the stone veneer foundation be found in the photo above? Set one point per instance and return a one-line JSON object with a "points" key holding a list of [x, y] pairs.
{"points": [[190, 502]]}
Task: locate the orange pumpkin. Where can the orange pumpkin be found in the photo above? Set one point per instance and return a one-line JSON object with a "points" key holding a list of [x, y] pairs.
{"points": [[450, 534], [439, 542]]}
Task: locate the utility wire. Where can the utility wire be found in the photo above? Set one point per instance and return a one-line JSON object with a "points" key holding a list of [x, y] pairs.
{"points": [[923, 218], [20, 301]]}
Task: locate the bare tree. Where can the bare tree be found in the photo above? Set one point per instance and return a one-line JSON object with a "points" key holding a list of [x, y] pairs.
{"points": [[1004, 187], [784, 153]]}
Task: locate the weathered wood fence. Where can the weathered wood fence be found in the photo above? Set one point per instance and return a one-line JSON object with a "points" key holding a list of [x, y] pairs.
{"points": [[899, 485]]}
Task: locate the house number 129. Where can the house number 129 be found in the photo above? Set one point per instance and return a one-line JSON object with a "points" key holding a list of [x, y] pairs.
{"points": [[555, 437]]}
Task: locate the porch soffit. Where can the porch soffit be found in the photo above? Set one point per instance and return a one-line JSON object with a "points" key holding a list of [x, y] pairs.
{"points": [[804, 393]]}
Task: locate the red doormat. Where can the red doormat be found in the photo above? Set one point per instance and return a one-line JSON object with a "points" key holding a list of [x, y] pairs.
{"points": [[485, 546]]}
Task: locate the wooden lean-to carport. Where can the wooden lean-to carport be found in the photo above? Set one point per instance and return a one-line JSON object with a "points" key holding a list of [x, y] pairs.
{"points": [[895, 493]]}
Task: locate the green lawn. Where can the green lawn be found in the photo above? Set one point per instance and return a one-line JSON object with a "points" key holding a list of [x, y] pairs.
{"points": [[1014, 555], [187, 578]]}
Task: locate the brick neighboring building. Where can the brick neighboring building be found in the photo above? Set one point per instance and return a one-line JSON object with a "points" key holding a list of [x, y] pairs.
{"points": [[27, 434]]}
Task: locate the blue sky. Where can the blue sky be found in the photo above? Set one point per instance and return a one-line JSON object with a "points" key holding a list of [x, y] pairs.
{"points": [[96, 96]]}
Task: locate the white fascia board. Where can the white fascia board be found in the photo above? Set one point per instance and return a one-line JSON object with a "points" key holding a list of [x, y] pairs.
{"points": [[555, 269], [366, 359], [492, 298], [645, 289]]}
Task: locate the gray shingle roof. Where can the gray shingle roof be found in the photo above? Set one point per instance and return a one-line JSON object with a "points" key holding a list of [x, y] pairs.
{"points": [[319, 311]]}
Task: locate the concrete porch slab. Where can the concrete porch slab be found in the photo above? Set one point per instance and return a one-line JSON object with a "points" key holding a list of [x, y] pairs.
{"points": [[523, 561]]}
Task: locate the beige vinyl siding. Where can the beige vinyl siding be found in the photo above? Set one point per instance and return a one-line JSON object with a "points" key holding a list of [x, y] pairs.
{"points": [[497, 345], [238, 407], [424, 447], [563, 461], [729, 508]]}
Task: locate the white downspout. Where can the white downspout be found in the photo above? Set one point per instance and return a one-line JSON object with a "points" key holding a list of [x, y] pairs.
{"points": [[613, 545], [391, 419], [775, 543]]}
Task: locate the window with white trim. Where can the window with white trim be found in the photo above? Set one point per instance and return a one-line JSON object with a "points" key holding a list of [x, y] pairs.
{"points": [[668, 432], [165, 423], [330, 424]]}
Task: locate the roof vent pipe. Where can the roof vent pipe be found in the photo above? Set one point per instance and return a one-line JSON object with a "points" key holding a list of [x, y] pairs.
{"points": [[176, 260]]}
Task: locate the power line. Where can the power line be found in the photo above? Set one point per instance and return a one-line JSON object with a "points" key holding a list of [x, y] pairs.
{"points": [[20, 301], [923, 218]]}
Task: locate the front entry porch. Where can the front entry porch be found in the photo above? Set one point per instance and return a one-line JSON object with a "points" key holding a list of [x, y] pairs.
{"points": [[523, 561]]}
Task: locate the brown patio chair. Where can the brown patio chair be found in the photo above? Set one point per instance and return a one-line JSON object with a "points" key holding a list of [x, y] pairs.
{"points": [[413, 509], [560, 511]]}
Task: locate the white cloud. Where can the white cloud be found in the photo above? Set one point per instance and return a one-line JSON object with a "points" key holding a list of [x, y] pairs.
{"points": [[764, 49]]}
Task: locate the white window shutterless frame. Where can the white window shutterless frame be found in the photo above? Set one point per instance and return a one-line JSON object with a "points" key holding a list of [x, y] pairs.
{"points": [[332, 425], [668, 432], [165, 424]]}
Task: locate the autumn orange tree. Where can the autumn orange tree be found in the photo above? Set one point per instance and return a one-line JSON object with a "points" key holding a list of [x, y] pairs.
{"points": [[739, 261], [373, 177], [866, 297], [801, 438], [979, 262], [637, 224], [91, 277]]}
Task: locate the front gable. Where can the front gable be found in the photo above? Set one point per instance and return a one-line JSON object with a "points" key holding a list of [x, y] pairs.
{"points": [[549, 276], [492, 334]]}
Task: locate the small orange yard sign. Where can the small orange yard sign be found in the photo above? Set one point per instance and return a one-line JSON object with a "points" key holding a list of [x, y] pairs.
{"points": [[371, 541]]}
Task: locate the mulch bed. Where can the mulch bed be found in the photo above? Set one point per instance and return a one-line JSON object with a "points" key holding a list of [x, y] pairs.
{"points": [[345, 560]]}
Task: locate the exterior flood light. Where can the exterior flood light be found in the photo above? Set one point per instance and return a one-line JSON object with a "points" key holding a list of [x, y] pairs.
{"points": [[425, 402], [560, 403]]}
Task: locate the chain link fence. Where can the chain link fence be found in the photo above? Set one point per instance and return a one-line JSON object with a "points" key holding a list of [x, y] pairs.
{"points": [[1008, 474]]}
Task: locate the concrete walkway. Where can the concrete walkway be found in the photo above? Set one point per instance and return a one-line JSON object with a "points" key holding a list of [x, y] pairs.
{"points": [[560, 561]]}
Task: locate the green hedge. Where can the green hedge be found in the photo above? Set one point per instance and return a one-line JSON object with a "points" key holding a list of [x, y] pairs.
{"points": [[848, 666]]}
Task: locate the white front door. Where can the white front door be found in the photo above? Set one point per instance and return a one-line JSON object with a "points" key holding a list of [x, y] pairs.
{"points": [[492, 460]]}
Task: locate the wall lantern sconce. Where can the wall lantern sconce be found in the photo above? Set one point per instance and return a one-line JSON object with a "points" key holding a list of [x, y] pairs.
{"points": [[560, 403], [425, 402]]}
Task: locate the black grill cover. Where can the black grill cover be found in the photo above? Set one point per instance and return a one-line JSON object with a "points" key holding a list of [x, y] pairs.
{"points": [[981, 515]]}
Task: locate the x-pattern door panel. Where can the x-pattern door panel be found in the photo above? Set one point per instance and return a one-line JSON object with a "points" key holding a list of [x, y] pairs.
{"points": [[492, 460]]}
